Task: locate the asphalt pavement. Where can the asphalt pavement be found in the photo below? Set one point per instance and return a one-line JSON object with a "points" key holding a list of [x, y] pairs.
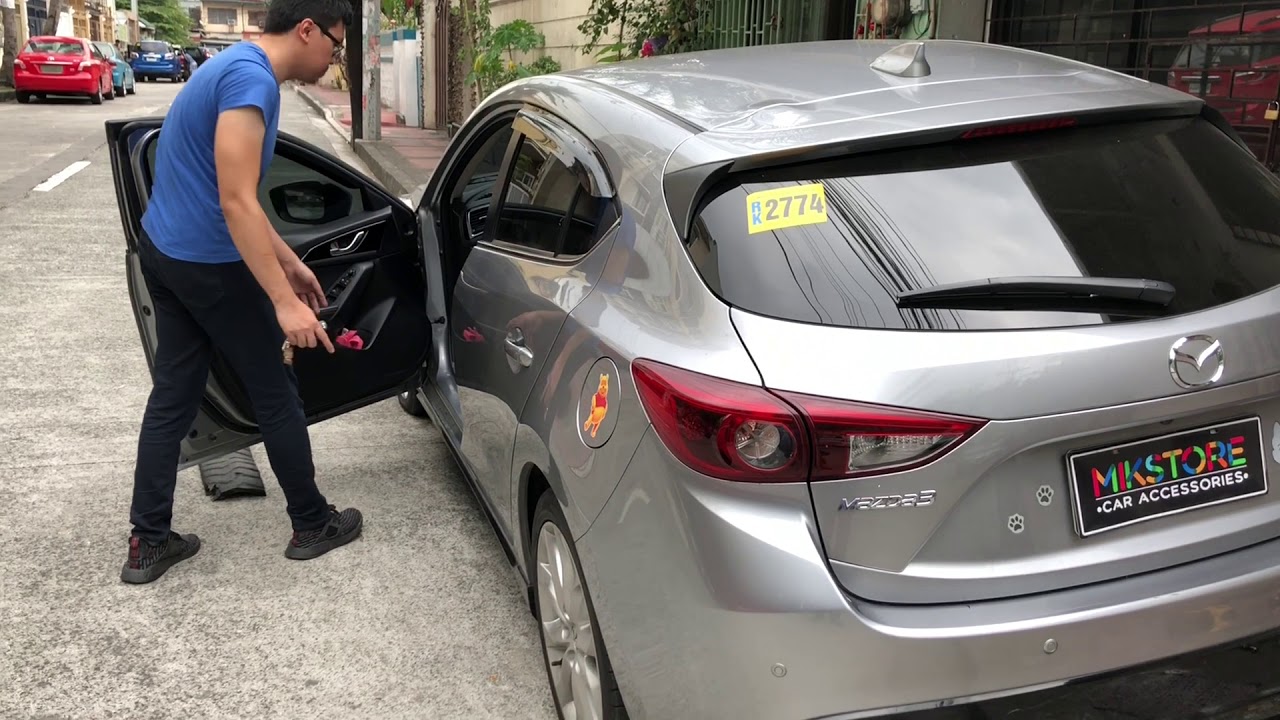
{"points": [[418, 619]]}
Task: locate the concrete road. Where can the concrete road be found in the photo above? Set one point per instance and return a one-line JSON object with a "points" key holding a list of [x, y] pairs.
{"points": [[418, 619]]}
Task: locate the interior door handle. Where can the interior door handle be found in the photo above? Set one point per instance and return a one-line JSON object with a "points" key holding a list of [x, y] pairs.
{"points": [[337, 249], [516, 349]]}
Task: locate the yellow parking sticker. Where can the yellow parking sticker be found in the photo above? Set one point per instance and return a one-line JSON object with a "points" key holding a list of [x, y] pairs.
{"points": [[786, 207]]}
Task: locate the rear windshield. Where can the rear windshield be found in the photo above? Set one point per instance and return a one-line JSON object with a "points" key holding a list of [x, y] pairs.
{"points": [[55, 47], [151, 46], [1173, 200]]}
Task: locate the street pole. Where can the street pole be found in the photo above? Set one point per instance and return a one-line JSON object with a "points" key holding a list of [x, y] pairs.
{"points": [[372, 76], [136, 28], [355, 70]]}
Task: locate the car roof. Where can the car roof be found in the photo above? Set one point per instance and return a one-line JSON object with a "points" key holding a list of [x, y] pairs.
{"points": [[720, 88]]}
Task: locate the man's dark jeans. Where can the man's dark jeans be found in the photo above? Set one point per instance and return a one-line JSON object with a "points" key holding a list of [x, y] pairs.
{"points": [[199, 307]]}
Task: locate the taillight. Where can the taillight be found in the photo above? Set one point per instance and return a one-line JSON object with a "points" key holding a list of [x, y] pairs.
{"points": [[723, 429], [855, 440], [734, 431], [85, 65], [18, 64], [1019, 128]]}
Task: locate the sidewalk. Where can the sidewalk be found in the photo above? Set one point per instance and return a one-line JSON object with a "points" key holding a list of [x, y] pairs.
{"points": [[402, 160]]}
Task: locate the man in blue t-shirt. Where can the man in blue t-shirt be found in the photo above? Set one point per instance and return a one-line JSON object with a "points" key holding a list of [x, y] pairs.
{"points": [[221, 278]]}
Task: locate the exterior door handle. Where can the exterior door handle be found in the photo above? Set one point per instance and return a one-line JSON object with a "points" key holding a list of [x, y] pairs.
{"points": [[516, 349], [336, 249]]}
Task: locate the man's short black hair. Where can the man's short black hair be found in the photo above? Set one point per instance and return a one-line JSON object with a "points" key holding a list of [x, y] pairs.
{"points": [[284, 15]]}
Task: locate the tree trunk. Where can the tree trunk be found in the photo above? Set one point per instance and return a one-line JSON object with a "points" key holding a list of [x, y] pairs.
{"points": [[51, 22], [9, 17]]}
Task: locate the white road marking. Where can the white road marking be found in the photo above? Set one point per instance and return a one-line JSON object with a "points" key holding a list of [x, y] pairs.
{"points": [[61, 176]]}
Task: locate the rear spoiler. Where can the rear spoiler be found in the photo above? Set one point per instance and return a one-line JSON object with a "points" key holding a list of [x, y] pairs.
{"points": [[704, 160]]}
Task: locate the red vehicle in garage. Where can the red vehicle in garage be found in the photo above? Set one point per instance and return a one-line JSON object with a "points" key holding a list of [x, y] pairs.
{"points": [[55, 65], [1234, 64]]}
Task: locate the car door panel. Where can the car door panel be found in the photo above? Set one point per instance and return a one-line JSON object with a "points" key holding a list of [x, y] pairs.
{"points": [[367, 261], [512, 297]]}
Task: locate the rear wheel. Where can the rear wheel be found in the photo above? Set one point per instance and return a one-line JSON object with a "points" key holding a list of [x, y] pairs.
{"points": [[24, 97], [96, 97], [578, 669], [111, 94]]}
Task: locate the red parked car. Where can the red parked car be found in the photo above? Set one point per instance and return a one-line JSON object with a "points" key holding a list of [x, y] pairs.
{"points": [[55, 65]]}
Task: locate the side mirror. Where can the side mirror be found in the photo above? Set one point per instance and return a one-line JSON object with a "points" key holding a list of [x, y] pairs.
{"points": [[310, 202]]}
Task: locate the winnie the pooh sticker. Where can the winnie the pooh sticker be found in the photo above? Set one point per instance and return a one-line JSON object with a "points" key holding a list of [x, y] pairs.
{"points": [[597, 403]]}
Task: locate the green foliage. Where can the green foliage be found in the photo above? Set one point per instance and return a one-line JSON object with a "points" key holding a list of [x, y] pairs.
{"points": [[172, 23], [494, 62], [396, 12], [676, 24]]}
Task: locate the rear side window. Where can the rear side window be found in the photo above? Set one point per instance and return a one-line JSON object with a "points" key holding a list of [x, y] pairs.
{"points": [[1174, 201]]}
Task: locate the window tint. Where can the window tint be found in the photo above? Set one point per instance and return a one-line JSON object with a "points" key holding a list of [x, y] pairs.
{"points": [[476, 182], [55, 47], [539, 194], [1174, 201], [284, 171], [153, 46]]}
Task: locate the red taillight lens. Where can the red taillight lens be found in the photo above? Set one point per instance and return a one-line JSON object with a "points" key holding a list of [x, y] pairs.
{"points": [[1019, 128], [17, 64], [740, 432], [853, 440], [723, 429]]}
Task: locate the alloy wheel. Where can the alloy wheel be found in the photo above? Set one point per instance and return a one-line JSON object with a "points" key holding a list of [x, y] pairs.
{"points": [[568, 634]]}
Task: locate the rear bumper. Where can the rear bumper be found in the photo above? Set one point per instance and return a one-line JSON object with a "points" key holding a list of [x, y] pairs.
{"points": [[156, 69], [77, 84], [731, 579]]}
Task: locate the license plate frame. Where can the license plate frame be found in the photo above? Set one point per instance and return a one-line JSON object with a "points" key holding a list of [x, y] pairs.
{"points": [[1170, 492]]}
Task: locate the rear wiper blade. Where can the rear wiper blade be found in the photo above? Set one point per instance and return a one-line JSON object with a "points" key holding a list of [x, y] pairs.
{"points": [[1136, 296]]}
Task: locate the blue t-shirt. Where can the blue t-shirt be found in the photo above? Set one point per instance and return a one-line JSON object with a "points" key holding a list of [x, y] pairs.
{"points": [[184, 216]]}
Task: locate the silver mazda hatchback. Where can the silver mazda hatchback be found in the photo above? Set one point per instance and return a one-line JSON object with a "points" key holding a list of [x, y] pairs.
{"points": [[831, 380]]}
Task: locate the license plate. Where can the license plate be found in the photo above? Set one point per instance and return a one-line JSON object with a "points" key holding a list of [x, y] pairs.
{"points": [[151, 58], [51, 69], [1194, 87], [1147, 479]]}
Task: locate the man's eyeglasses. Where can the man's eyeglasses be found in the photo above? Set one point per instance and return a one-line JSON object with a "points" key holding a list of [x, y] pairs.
{"points": [[337, 44]]}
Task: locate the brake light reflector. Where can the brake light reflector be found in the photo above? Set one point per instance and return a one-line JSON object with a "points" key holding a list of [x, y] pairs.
{"points": [[723, 429], [1019, 128], [746, 433], [852, 439]]}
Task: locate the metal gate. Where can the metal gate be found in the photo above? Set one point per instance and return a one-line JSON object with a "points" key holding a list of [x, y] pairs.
{"points": [[746, 23], [1225, 52]]}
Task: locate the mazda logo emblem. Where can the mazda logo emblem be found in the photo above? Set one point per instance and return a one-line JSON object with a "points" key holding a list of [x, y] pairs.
{"points": [[1196, 361]]}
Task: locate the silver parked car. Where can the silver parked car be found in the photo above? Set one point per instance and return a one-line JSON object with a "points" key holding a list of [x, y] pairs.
{"points": [[821, 380]]}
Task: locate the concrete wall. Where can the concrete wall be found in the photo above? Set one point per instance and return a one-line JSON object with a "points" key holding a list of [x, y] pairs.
{"points": [[558, 20]]}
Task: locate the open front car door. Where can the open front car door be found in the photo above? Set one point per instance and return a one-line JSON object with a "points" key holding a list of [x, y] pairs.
{"points": [[361, 242]]}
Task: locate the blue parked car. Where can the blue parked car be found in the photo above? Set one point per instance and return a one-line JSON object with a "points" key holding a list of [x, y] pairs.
{"points": [[157, 59], [122, 77]]}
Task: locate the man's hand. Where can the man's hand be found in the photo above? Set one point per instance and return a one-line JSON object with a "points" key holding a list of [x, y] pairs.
{"points": [[300, 325], [304, 283]]}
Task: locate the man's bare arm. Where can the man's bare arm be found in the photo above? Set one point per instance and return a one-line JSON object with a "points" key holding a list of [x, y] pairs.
{"points": [[237, 156]]}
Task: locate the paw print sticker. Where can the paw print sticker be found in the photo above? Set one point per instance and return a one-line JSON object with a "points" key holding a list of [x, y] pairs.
{"points": [[1044, 495], [1017, 524]]}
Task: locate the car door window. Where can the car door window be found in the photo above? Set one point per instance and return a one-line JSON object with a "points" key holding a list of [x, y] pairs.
{"points": [[294, 196], [547, 208]]}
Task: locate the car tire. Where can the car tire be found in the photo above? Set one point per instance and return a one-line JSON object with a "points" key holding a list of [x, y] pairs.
{"points": [[96, 97], [119, 91], [24, 97], [408, 399], [552, 543], [133, 87], [111, 95]]}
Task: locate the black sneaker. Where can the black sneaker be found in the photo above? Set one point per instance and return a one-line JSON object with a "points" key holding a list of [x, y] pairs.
{"points": [[148, 562], [342, 528]]}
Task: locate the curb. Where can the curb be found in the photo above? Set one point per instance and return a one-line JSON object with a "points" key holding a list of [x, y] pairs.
{"points": [[8, 95], [324, 111], [388, 167]]}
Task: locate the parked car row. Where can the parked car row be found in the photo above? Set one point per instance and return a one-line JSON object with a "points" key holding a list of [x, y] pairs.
{"points": [[71, 66]]}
